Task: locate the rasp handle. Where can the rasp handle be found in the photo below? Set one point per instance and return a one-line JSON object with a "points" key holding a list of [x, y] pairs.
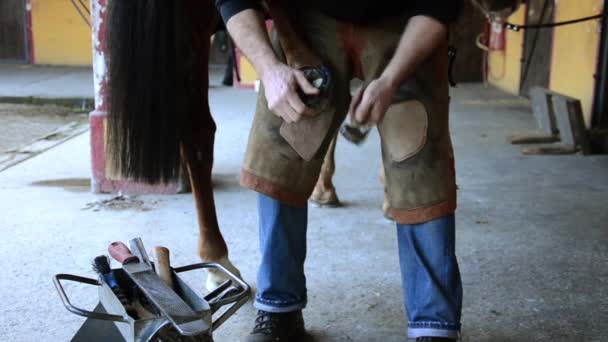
{"points": [[121, 253], [162, 264]]}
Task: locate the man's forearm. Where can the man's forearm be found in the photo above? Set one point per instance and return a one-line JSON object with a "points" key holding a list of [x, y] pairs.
{"points": [[421, 37], [249, 32]]}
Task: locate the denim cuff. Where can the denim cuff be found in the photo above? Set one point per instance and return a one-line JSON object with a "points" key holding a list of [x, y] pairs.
{"points": [[271, 306], [433, 329]]}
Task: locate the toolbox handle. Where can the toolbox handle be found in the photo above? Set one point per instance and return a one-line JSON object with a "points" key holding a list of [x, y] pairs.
{"points": [[78, 311], [236, 300]]}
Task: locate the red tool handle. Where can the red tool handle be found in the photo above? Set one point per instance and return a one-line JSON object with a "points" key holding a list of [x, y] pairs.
{"points": [[121, 253]]}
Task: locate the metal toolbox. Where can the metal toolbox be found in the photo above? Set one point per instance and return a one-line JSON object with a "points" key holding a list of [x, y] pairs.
{"points": [[109, 320]]}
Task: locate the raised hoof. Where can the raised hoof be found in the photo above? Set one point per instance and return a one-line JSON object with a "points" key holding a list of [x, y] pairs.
{"points": [[325, 199], [216, 277]]}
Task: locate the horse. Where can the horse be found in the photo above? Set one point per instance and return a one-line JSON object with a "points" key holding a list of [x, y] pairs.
{"points": [[158, 115]]}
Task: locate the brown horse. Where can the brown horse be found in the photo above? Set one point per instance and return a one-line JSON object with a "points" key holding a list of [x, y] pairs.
{"points": [[159, 110]]}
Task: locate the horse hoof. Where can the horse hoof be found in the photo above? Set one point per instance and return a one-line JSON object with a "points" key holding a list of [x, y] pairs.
{"points": [[216, 277], [325, 199]]}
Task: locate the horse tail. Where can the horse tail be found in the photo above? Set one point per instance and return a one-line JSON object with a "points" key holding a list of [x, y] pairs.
{"points": [[157, 57]]}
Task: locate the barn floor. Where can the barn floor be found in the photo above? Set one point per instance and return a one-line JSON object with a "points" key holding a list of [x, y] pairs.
{"points": [[532, 234]]}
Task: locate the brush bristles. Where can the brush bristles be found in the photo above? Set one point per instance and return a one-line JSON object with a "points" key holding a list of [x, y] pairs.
{"points": [[101, 265]]}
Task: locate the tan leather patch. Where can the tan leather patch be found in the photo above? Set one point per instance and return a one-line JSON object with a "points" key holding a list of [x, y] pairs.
{"points": [[404, 129], [307, 135]]}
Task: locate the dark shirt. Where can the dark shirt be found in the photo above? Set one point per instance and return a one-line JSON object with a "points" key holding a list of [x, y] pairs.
{"points": [[360, 11]]}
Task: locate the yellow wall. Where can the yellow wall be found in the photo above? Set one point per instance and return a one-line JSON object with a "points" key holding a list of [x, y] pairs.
{"points": [[575, 52], [504, 67], [247, 72], [60, 36]]}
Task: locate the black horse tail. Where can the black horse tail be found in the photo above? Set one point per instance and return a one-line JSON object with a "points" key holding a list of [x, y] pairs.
{"points": [[157, 56]]}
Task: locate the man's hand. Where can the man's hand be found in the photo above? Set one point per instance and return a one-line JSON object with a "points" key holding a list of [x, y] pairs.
{"points": [[422, 36], [370, 103], [281, 83]]}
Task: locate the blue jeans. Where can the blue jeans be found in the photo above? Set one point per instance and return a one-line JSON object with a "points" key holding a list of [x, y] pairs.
{"points": [[429, 270]]}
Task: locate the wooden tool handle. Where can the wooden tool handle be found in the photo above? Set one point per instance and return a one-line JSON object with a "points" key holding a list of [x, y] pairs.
{"points": [[162, 264], [121, 253]]}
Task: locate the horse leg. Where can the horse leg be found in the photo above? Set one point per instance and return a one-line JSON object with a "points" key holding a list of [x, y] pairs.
{"points": [[211, 244], [324, 193], [197, 143]]}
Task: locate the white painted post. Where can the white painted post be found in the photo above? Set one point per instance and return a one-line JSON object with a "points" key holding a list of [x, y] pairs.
{"points": [[97, 117]]}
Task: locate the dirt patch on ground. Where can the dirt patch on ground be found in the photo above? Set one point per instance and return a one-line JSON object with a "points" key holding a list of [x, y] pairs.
{"points": [[120, 203], [69, 184], [21, 124]]}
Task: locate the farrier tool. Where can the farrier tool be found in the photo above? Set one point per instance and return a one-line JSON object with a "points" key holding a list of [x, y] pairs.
{"points": [[162, 264], [138, 249], [320, 78], [112, 320], [351, 130], [184, 319]]}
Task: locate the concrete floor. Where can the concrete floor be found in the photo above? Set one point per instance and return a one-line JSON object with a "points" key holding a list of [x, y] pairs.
{"points": [[45, 81], [532, 234]]}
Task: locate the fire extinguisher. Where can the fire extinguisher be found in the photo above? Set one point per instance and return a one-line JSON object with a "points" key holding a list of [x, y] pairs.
{"points": [[497, 35], [492, 39]]}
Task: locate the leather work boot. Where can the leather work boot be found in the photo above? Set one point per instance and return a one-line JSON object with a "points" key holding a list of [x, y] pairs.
{"points": [[275, 327], [434, 339]]}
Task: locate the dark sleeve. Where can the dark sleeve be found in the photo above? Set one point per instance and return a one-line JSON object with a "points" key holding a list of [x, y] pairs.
{"points": [[446, 11], [228, 8]]}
